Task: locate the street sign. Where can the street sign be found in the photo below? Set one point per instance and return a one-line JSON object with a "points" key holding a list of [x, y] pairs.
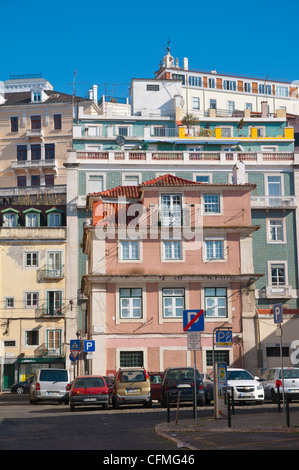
{"points": [[193, 340], [193, 320], [278, 313], [75, 344], [224, 338], [89, 345], [74, 355]]}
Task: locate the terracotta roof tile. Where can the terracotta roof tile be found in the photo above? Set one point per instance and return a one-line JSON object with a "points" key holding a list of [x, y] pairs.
{"points": [[169, 180], [120, 191]]}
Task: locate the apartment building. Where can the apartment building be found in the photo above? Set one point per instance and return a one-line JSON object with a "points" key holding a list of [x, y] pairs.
{"points": [[139, 282]]}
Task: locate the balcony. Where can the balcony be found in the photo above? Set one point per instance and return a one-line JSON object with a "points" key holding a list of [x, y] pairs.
{"points": [[50, 309], [34, 165], [278, 292], [46, 350], [273, 202], [50, 273], [35, 133]]}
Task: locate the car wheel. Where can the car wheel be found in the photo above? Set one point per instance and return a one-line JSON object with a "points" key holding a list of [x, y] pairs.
{"points": [[20, 390], [115, 404], [148, 404]]}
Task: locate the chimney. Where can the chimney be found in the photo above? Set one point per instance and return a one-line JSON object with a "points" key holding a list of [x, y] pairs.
{"points": [[185, 63], [95, 93], [239, 176], [265, 109]]}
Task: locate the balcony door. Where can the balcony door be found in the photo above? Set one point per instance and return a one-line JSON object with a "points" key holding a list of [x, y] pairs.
{"points": [[171, 210], [54, 342], [54, 303], [54, 264]]}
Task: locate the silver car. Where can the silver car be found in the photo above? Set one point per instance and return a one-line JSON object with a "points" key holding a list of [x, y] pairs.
{"points": [[272, 378], [49, 384]]}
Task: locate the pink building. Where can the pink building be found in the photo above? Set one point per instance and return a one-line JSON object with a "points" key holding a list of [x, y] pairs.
{"points": [[157, 249]]}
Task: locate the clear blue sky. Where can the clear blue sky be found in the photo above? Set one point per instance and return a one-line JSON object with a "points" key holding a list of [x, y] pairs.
{"points": [[117, 41]]}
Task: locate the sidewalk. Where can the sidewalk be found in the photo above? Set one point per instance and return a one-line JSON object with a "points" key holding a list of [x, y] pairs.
{"points": [[187, 433]]}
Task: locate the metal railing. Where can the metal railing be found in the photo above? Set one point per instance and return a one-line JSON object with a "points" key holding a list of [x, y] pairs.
{"points": [[49, 350]]}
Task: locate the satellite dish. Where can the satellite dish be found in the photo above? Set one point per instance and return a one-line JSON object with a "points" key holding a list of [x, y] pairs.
{"points": [[120, 140]]}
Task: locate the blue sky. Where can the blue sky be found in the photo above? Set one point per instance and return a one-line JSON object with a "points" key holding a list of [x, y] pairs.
{"points": [[113, 42]]}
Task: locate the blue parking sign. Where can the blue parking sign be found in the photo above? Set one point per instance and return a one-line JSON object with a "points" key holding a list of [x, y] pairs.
{"points": [[89, 345], [278, 313]]}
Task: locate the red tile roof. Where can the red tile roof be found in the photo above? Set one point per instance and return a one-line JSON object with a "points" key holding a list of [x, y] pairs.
{"points": [[169, 180], [127, 191]]}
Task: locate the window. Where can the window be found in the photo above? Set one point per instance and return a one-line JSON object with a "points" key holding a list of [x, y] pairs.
{"points": [[214, 249], [57, 121], [31, 299], [195, 103], [172, 249], [21, 181], [54, 303], [9, 302], [131, 359], [49, 152], [152, 87], [213, 104], [275, 230], [229, 85], [278, 274], [35, 180], [226, 131], [31, 259], [36, 122], [220, 356], [176, 76], [95, 184], [14, 124], [54, 217], [231, 107], [282, 91], [21, 152], [35, 152], [10, 218], [124, 131], [202, 178], [171, 210], [195, 81], [32, 218], [248, 106], [131, 180], [265, 90], [49, 179], [274, 188], [129, 250], [211, 82], [160, 131], [36, 97], [54, 264], [54, 349], [130, 303], [173, 303], [32, 338], [211, 203], [247, 87], [215, 302]]}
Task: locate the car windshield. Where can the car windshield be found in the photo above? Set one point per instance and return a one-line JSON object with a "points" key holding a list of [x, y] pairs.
{"points": [[133, 376], [155, 379], [53, 376], [290, 373], [183, 374], [89, 382], [239, 375]]}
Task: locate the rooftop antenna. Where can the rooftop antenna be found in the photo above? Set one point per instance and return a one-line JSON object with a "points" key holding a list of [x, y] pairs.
{"points": [[74, 90]]}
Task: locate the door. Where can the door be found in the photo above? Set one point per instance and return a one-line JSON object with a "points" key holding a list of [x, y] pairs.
{"points": [[54, 342], [54, 303], [54, 264], [8, 376], [171, 210]]}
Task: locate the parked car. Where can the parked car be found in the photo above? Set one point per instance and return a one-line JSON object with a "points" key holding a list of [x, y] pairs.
{"points": [[181, 379], [244, 385], [132, 385], [272, 378], [156, 379], [89, 390], [49, 384], [110, 384], [21, 387]]}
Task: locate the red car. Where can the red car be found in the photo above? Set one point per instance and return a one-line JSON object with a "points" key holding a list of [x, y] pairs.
{"points": [[89, 390], [156, 383]]}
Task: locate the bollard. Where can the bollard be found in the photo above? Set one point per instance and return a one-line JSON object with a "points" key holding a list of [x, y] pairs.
{"points": [[233, 400], [229, 422], [278, 398], [168, 408], [287, 412]]}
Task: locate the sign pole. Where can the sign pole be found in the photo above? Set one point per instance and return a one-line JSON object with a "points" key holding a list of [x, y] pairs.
{"points": [[195, 388], [278, 319]]}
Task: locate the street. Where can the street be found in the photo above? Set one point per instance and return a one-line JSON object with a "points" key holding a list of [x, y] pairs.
{"points": [[50, 426]]}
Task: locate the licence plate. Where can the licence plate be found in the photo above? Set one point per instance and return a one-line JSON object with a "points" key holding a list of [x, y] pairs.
{"points": [[293, 390], [89, 399], [53, 394], [183, 385], [133, 390], [245, 394]]}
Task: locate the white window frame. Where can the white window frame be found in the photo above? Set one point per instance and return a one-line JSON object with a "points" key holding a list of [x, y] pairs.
{"points": [[206, 175], [227, 128], [281, 183], [284, 232], [135, 174], [121, 259], [30, 266], [271, 265], [224, 249], [196, 102], [129, 129], [130, 318], [216, 317], [100, 175], [203, 204], [173, 306], [29, 295], [172, 259]]}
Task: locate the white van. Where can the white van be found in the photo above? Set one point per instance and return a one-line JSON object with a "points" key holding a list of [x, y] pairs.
{"points": [[49, 384]]}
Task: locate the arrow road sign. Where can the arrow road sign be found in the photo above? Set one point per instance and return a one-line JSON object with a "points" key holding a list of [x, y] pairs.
{"points": [[193, 320]]}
